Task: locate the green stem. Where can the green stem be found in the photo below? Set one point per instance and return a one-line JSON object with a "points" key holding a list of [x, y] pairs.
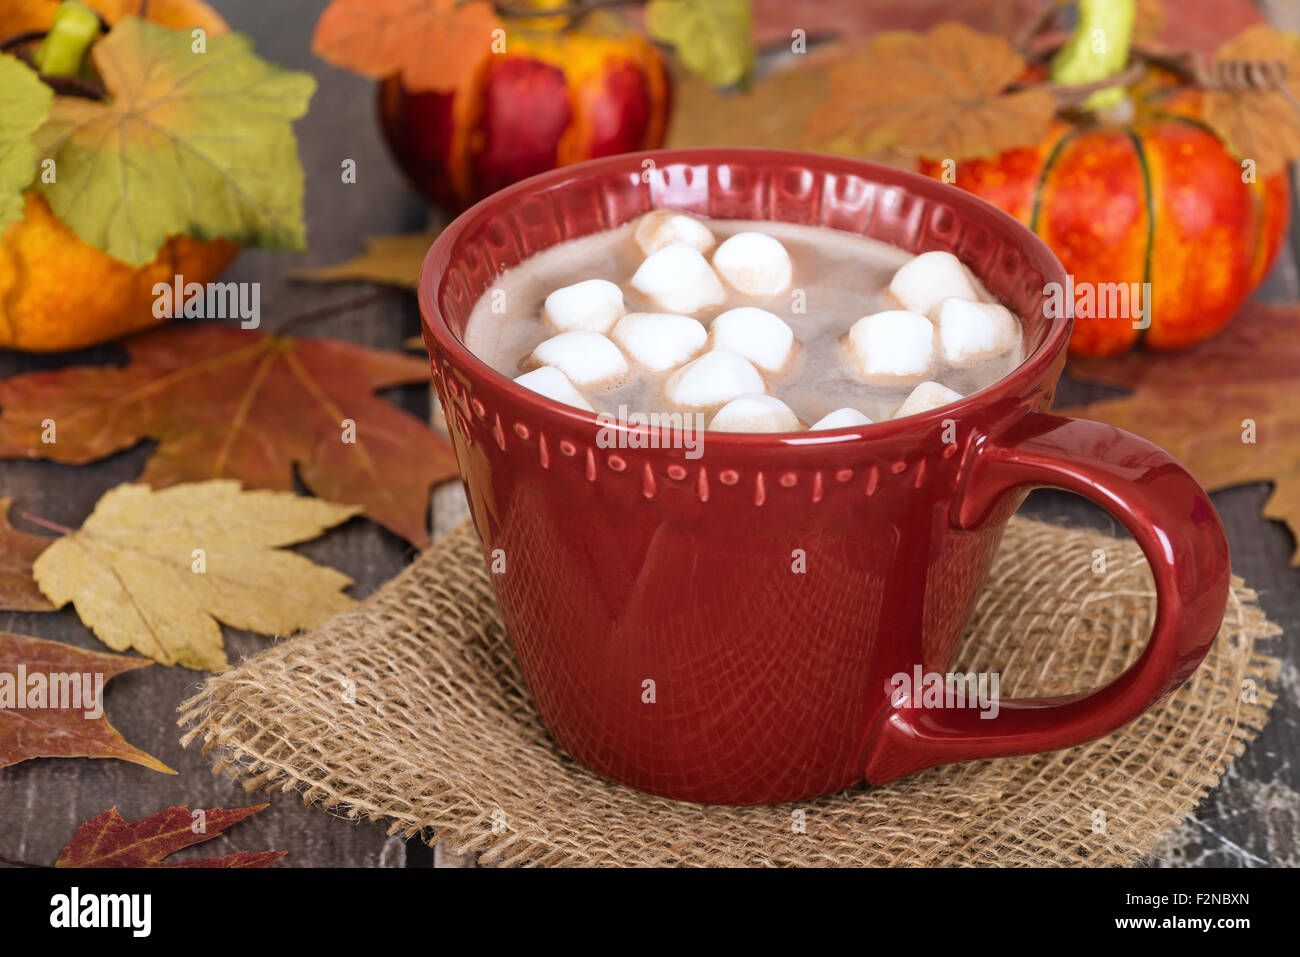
{"points": [[63, 51], [1098, 48]]}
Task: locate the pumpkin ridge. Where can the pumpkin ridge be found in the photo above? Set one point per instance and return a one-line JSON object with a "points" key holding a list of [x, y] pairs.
{"points": [[1258, 199], [1187, 121], [1046, 171], [1149, 199]]}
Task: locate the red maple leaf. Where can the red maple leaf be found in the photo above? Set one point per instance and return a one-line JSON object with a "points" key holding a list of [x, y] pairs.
{"points": [[110, 841], [235, 403]]}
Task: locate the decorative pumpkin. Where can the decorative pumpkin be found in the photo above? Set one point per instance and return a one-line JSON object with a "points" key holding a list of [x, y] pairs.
{"points": [[58, 292], [1156, 199], [1159, 178], [555, 96]]}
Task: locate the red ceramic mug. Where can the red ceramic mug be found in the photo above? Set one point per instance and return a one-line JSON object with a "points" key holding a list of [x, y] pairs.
{"points": [[650, 596]]}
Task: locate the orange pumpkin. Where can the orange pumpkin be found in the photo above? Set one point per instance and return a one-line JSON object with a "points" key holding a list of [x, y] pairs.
{"points": [[58, 292], [554, 97], [1157, 199]]}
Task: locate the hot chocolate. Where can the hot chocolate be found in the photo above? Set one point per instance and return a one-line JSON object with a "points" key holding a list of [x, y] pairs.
{"points": [[761, 326]]}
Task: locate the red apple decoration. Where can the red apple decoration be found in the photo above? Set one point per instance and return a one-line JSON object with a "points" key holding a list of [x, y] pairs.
{"points": [[554, 97]]}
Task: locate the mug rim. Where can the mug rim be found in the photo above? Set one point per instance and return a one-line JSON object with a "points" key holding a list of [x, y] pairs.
{"points": [[1030, 369]]}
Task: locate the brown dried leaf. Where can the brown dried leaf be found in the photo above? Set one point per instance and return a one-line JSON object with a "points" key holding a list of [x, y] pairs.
{"points": [[18, 589], [1260, 125], [237, 403], [388, 260], [941, 94], [1149, 21], [109, 841], [1226, 408], [42, 731]]}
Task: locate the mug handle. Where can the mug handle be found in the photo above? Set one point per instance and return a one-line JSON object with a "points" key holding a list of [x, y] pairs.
{"points": [[1180, 533]]}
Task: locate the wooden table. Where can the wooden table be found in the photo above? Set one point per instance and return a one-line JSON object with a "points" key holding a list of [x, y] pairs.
{"points": [[1251, 819]]}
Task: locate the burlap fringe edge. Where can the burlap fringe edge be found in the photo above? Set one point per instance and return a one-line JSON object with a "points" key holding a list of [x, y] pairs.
{"points": [[473, 836]]}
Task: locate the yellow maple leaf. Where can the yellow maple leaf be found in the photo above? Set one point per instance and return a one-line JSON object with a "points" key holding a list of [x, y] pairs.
{"points": [[155, 570], [942, 94], [388, 261]]}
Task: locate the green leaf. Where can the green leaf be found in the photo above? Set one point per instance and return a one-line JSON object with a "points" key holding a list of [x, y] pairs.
{"points": [[24, 105], [710, 36], [194, 139]]}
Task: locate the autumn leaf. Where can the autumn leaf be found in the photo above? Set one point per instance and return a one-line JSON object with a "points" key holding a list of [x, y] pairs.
{"points": [[710, 36], [1149, 20], [942, 95], [67, 721], [776, 20], [18, 590], [1261, 125], [770, 112], [194, 142], [225, 402], [24, 105], [1225, 408], [110, 841], [432, 44], [154, 571], [388, 260]]}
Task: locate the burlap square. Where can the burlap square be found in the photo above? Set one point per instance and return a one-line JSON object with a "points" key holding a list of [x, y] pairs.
{"points": [[410, 709]]}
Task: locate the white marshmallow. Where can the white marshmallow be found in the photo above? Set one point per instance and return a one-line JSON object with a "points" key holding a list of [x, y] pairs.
{"points": [[554, 384], [756, 334], [679, 279], [663, 227], [716, 377], [659, 340], [922, 283], [926, 396], [892, 347], [755, 413], [587, 358], [840, 419], [972, 331], [754, 264], [592, 305]]}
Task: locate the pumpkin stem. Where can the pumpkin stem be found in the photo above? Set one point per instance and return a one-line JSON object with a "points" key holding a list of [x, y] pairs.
{"points": [[1098, 48], [63, 51]]}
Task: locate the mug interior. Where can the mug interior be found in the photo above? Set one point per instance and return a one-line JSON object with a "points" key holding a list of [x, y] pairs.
{"points": [[903, 209]]}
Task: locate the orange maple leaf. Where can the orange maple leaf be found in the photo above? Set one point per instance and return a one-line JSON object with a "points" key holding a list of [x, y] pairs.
{"points": [[942, 94], [433, 44], [1224, 408]]}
